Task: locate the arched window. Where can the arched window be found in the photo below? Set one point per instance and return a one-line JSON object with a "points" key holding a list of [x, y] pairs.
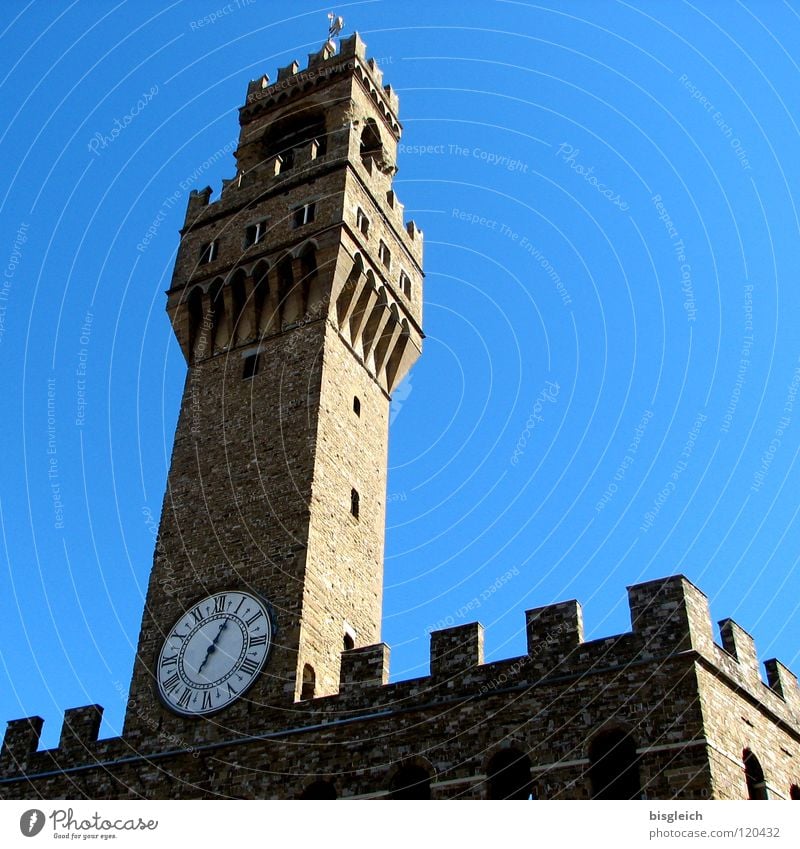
{"points": [[614, 766], [260, 289], [319, 790], [509, 774], [754, 776], [309, 683], [355, 502], [794, 792], [411, 782], [348, 642], [285, 277], [218, 313], [371, 145]]}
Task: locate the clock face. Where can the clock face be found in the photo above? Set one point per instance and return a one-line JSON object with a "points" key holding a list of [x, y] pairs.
{"points": [[214, 653]]}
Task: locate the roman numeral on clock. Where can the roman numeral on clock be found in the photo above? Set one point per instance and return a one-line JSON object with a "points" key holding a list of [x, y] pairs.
{"points": [[207, 701], [248, 666], [260, 640], [198, 615], [255, 617], [171, 683], [186, 697], [219, 603], [167, 661]]}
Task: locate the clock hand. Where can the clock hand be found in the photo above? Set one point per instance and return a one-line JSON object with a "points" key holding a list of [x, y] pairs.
{"points": [[210, 650]]}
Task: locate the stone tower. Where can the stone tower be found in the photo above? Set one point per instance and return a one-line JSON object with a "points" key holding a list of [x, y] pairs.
{"points": [[297, 302]]}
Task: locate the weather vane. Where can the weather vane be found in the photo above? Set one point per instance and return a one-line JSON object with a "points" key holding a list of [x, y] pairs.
{"points": [[336, 25]]}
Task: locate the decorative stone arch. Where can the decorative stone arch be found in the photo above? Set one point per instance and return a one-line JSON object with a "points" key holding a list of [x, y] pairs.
{"points": [[507, 767], [396, 356], [411, 778], [349, 291], [194, 317], [376, 319], [242, 323], [614, 764], [218, 316], [264, 300], [360, 311]]}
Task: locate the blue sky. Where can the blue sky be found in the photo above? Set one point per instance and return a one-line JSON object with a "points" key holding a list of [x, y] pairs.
{"points": [[608, 387]]}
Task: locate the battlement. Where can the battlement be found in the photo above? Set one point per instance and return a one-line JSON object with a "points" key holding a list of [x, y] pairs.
{"points": [[670, 621], [321, 66]]}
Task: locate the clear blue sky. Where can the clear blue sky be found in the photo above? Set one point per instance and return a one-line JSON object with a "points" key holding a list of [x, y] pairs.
{"points": [[607, 191]]}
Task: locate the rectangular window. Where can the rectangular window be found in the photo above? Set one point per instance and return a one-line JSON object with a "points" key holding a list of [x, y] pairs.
{"points": [[208, 253], [250, 368], [304, 214], [254, 233], [405, 284], [384, 255], [362, 222]]}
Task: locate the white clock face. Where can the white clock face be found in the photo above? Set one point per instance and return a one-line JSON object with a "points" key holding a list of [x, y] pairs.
{"points": [[214, 652]]}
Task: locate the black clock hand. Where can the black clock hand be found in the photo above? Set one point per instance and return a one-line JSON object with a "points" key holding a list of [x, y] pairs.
{"points": [[212, 647]]}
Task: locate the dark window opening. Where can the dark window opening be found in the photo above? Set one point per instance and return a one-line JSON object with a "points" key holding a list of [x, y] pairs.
{"points": [[356, 405], [405, 284], [195, 308], [309, 683], [250, 368], [754, 776], [371, 145], [384, 255], [362, 222], [348, 642], [319, 790], [304, 214], [354, 502], [614, 766], [509, 775], [285, 277], [254, 233], [208, 253], [298, 131], [794, 792]]}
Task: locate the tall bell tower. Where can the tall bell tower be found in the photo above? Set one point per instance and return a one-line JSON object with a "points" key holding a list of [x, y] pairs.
{"points": [[297, 302]]}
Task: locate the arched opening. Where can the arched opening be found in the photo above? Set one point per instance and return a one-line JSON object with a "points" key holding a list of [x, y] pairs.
{"points": [[348, 642], [241, 325], [260, 294], [319, 790], [754, 776], [296, 131], [355, 502], [194, 307], [371, 145], [218, 333], [509, 775], [614, 766], [411, 782], [794, 792], [308, 262], [309, 683]]}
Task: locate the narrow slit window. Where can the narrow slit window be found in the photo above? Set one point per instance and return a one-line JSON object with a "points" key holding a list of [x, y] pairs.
{"points": [[384, 255], [355, 504], [357, 405], [362, 222], [250, 367], [405, 284]]}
